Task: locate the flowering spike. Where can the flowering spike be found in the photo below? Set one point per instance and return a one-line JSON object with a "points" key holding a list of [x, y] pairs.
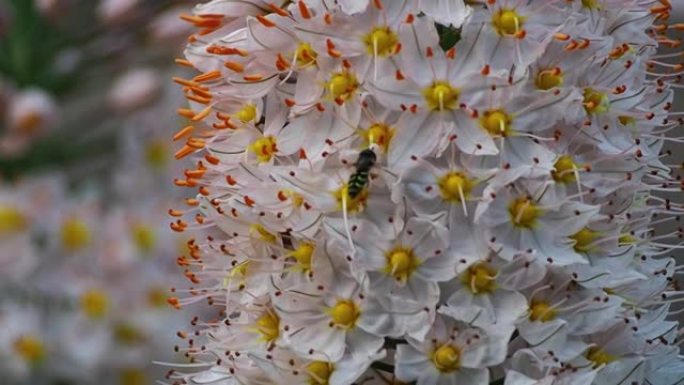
{"points": [[381, 199]]}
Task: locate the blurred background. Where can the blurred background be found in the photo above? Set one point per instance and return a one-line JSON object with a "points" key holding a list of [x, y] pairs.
{"points": [[87, 110]]}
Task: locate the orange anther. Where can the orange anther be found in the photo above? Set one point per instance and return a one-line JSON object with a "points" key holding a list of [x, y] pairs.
{"points": [[185, 112], [194, 173], [278, 10], [173, 301], [561, 36], [253, 78], [265, 22], [183, 152], [202, 114], [198, 99], [185, 82], [175, 213], [304, 10], [184, 63], [176, 228], [211, 159], [234, 66], [207, 76], [183, 132]]}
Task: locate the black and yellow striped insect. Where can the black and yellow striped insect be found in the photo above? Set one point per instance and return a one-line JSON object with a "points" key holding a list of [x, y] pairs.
{"points": [[359, 179]]}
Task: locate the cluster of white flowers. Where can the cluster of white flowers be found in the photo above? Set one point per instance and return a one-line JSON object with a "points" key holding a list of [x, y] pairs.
{"points": [[379, 205]]}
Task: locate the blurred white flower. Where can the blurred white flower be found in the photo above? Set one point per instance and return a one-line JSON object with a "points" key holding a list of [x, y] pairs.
{"points": [[115, 11], [31, 112], [23, 343], [134, 89], [168, 27]]}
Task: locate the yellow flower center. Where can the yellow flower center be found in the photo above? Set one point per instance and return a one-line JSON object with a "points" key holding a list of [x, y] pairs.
{"points": [[454, 185], [303, 255], [127, 334], [143, 237], [75, 234], [381, 41], [241, 270], [480, 278], [264, 148], [344, 314], [524, 212], [548, 79], [541, 311], [133, 376], [507, 22], [564, 169], [353, 205], [496, 123], [268, 325], [295, 198], [319, 372], [626, 120], [626, 239], [592, 4], [342, 85], [583, 239], [12, 220], [95, 303], [30, 348], [447, 358], [238, 271], [263, 234], [305, 55], [247, 113], [599, 357], [441, 96], [401, 262], [595, 102], [379, 134], [156, 154]]}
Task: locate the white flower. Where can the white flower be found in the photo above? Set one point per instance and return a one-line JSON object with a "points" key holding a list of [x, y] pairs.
{"points": [[452, 353], [408, 264], [31, 112]]}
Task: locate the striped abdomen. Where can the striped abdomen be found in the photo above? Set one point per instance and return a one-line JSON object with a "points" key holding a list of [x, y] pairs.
{"points": [[357, 182]]}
